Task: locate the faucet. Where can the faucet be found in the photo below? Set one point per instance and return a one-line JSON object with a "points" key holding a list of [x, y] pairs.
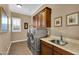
{"points": [[61, 38]]}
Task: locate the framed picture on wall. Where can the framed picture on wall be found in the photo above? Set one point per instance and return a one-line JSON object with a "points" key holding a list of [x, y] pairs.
{"points": [[72, 19], [58, 22], [25, 25]]}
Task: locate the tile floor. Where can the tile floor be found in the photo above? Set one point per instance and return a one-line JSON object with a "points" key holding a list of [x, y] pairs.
{"points": [[19, 48]]}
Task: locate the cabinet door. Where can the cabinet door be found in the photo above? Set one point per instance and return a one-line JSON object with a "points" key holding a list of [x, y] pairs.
{"points": [[46, 49], [43, 19], [38, 20], [35, 21], [48, 17]]}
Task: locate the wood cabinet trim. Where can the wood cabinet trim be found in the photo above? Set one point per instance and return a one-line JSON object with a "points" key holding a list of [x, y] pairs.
{"points": [[61, 51], [45, 43]]}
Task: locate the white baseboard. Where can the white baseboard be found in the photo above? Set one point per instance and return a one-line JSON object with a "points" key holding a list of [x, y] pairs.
{"points": [[8, 49], [14, 42], [18, 41]]}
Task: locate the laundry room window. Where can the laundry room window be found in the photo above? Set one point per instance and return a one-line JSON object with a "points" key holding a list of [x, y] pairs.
{"points": [[16, 24], [4, 23]]}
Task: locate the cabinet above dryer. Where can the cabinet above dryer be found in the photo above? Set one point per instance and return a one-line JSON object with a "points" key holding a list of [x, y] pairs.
{"points": [[43, 18]]}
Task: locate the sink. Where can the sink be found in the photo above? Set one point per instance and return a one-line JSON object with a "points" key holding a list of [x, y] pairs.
{"points": [[59, 42]]}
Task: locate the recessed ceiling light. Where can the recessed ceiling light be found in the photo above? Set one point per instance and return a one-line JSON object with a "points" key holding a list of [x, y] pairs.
{"points": [[19, 5]]}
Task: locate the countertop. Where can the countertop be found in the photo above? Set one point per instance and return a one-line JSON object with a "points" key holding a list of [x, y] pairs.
{"points": [[72, 46]]}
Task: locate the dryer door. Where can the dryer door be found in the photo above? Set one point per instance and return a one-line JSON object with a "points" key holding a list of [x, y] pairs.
{"points": [[32, 38]]}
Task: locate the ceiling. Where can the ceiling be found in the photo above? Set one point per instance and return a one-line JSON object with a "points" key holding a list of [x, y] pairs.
{"points": [[27, 9]]}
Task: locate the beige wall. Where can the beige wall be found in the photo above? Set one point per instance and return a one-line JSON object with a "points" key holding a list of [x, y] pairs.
{"points": [[5, 38], [23, 34], [63, 10]]}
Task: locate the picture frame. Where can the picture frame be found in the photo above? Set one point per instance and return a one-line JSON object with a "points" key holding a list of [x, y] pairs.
{"points": [[58, 21], [25, 25], [72, 19]]}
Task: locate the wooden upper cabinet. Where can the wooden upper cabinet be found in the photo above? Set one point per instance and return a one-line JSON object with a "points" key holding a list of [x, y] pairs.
{"points": [[34, 21], [48, 17], [38, 20], [43, 18]]}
